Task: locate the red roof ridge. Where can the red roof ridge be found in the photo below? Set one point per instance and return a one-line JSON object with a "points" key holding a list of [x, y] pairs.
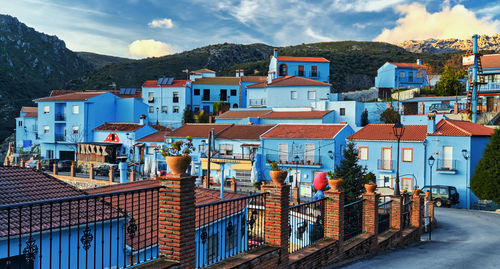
{"points": [[454, 125]]}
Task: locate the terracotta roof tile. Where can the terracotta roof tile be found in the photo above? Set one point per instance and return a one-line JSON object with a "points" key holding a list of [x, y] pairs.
{"points": [[384, 132], [304, 131], [409, 65], [200, 71], [156, 137], [119, 126], [290, 81], [296, 114], [447, 127], [243, 114], [490, 61], [251, 132], [217, 81], [175, 83], [159, 127], [28, 109], [60, 92], [198, 129], [31, 115], [75, 96], [255, 79], [302, 59]]}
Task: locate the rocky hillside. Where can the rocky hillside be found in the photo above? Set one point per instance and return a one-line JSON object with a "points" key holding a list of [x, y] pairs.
{"points": [[31, 64], [491, 43], [99, 60]]}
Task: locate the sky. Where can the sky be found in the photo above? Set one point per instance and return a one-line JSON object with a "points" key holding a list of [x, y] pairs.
{"points": [[149, 28]]}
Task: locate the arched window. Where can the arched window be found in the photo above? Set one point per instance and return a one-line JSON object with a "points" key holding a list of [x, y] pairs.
{"points": [[235, 106], [283, 70]]}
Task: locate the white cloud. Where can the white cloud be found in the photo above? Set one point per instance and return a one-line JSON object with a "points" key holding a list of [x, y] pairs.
{"points": [[363, 5], [149, 48], [161, 23], [456, 22]]}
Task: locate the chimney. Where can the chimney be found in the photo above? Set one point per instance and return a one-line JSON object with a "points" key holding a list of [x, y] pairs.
{"points": [[242, 73], [419, 62], [141, 119], [275, 53], [431, 123], [269, 78], [237, 73]]}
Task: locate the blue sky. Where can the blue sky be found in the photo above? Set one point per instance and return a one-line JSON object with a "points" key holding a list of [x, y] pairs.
{"points": [[142, 28]]}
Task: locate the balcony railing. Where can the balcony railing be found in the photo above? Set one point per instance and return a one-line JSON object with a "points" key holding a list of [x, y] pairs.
{"points": [[113, 230], [205, 98], [227, 228], [306, 224], [60, 117], [384, 215], [490, 87], [257, 102], [384, 164], [289, 160], [312, 74], [353, 219], [446, 165], [234, 156], [60, 137]]}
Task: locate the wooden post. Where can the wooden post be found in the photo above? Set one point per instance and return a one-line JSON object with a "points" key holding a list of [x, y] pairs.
{"points": [[111, 174], [54, 168], [91, 171]]}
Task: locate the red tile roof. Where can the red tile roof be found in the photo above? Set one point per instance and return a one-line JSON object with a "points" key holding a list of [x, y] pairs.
{"points": [[175, 83], [302, 59], [29, 112], [290, 81], [200, 71], [409, 65], [156, 137], [447, 127], [119, 126], [243, 114], [251, 132], [198, 129], [217, 81], [296, 114], [75, 96], [60, 92], [304, 131], [255, 79], [384, 132], [159, 127], [490, 61]]}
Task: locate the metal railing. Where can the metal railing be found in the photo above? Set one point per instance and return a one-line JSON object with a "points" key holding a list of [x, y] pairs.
{"points": [[306, 224], [311, 158], [406, 211], [490, 87], [446, 165], [384, 215], [60, 117], [384, 164], [353, 219], [113, 230], [257, 102], [59, 137], [227, 228], [234, 156]]}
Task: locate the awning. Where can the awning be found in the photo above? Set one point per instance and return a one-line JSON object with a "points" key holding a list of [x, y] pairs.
{"points": [[213, 166], [242, 166], [139, 145]]}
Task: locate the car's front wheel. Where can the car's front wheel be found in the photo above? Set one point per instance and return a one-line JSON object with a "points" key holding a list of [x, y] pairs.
{"points": [[438, 203]]}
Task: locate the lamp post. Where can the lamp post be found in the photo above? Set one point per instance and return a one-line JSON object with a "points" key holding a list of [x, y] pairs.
{"points": [[431, 161], [297, 183], [398, 130], [465, 153], [157, 109]]}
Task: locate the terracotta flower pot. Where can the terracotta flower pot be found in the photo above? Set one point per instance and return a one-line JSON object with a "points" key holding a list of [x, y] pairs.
{"points": [[416, 193], [370, 188], [278, 177], [178, 164], [335, 184]]}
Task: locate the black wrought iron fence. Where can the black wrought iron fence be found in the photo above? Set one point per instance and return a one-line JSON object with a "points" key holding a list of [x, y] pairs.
{"points": [[112, 230], [384, 216], [227, 228], [353, 219], [406, 211], [306, 224]]}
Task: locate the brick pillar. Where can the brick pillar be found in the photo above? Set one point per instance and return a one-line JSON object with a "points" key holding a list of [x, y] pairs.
{"points": [[233, 185], [455, 108], [111, 174], [72, 170], [416, 213], [396, 212], [91, 171], [38, 165], [276, 218], [21, 164], [370, 213], [132, 175], [206, 182], [334, 215], [422, 109], [177, 219], [296, 195], [431, 212], [54, 168]]}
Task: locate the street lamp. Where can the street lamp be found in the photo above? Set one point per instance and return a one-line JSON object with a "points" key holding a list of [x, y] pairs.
{"points": [[297, 183], [330, 154], [157, 109], [398, 130], [431, 161], [465, 153]]}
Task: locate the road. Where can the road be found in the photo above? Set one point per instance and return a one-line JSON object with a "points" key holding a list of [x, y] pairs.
{"points": [[463, 239]]}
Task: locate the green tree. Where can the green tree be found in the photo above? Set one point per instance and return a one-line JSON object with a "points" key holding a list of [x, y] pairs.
{"points": [[352, 173], [449, 83], [364, 118], [485, 183], [390, 116], [188, 116]]}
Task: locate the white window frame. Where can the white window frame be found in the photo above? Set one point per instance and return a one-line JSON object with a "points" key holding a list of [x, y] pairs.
{"points": [[447, 162], [75, 130], [363, 153], [151, 109], [46, 109], [381, 181], [311, 95], [283, 152], [407, 155], [76, 109], [164, 109], [150, 150], [226, 149], [46, 129], [293, 95], [175, 109], [151, 97]]}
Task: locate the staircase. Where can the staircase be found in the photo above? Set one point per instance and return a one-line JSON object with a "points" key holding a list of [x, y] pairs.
{"points": [[470, 90]]}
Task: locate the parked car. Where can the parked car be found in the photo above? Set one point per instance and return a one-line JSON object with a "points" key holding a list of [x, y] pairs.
{"points": [[31, 164], [441, 108], [48, 164], [103, 169], [64, 165], [443, 195]]}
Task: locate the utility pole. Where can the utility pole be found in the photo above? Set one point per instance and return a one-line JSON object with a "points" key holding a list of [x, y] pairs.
{"points": [[210, 135]]}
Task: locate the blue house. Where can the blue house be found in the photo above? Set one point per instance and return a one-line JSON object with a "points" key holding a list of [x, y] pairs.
{"points": [[305, 150], [448, 141], [275, 116], [208, 90], [489, 93], [245, 82], [316, 68], [26, 129], [421, 105], [242, 115], [400, 75]]}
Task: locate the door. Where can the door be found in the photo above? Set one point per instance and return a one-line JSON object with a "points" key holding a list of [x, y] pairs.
{"points": [[223, 95], [206, 109], [447, 157], [386, 159], [490, 103]]}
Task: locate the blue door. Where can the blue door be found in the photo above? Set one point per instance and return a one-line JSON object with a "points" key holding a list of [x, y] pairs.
{"points": [[206, 109]]}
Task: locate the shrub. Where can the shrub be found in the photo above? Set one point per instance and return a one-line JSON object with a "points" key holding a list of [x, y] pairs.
{"points": [[485, 183]]}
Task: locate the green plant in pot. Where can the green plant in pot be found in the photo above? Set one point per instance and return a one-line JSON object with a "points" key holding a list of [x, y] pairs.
{"points": [[177, 155], [277, 175], [333, 181], [370, 185]]}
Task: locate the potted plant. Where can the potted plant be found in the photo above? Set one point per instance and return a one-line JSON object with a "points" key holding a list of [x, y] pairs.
{"points": [[177, 155], [277, 175], [308, 162], [333, 181], [257, 185], [370, 185]]}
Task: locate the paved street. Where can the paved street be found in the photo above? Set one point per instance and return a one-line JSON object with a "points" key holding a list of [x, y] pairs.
{"points": [[463, 239]]}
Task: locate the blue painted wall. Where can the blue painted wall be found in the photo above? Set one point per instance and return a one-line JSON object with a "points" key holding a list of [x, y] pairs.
{"points": [[281, 96], [389, 76], [163, 97], [26, 129]]}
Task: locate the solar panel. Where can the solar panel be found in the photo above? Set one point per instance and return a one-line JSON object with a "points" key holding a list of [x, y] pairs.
{"points": [[169, 81], [133, 91], [127, 91], [160, 81], [122, 90]]}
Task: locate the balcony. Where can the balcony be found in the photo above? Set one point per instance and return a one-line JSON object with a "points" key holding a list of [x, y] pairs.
{"points": [[446, 166], [490, 87], [60, 117], [257, 102], [60, 137], [233, 156], [289, 161], [384, 165], [310, 74]]}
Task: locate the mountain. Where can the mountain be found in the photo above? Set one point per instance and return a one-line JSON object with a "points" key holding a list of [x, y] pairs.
{"points": [[31, 64], [491, 43], [99, 60]]}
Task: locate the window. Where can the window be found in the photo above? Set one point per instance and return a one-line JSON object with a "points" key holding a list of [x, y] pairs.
{"points": [[309, 153], [342, 111], [176, 109], [176, 97], [223, 95], [19, 123], [151, 97], [196, 109], [410, 76], [76, 109], [150, 150], [420, 74], [50, 154], [243, 175], [226, 149], [386, 162], [206, 95], [402, 74], [233, 92], [164, 109], [385, 181], [282, 70], [363, 153], [46, 109], [311, 95], [407, 155], [212, 247], [447, 157], [196, 92], [151, 109], [46, 129], [406, 183], [283, 152], [293, 95], [301, 71], [75, 129], [314, 71], [230, 236]]}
